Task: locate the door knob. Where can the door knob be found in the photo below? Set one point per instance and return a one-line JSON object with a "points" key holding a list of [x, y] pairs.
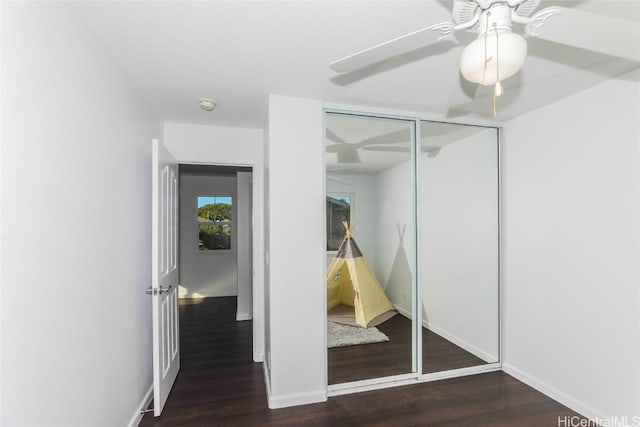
{"points": [[157, 291]]}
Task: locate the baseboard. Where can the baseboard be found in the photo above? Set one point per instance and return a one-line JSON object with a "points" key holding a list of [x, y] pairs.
{"points": [[371, 384], [407, 379], [242, 317], [285, 401], [557, 395], [402, 311], [144, 403], [451, 338], [296, 399]]}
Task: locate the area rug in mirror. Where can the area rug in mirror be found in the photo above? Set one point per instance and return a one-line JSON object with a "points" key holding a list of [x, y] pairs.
{"points": [[339, 335]]}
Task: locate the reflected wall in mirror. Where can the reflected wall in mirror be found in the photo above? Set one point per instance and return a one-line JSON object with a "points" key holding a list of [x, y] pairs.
{"points": [[370, 159], [459, 245]]}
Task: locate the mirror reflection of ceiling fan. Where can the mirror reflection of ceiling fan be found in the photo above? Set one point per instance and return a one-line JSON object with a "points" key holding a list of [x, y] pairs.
{"points": [[390, 142], [499, 53]]}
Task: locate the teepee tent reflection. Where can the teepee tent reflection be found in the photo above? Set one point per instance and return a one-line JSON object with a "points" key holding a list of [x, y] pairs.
{"points": [[354, 295]]}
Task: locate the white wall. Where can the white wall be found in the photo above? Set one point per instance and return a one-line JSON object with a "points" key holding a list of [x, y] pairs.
{"points": [[245, 248], [297, 361], [76, 233], [238, 147], [571, 318], [459, 243], [394, 263], [206, 273]]}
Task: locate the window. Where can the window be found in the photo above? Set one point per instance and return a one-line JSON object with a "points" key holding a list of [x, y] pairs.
{"points": [[214, 222], [338, 210]]}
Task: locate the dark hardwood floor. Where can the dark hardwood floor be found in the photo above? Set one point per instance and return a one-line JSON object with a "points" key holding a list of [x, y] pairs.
{"points": [[359, 362], [219, 385], [394, 357], [439, 354]]}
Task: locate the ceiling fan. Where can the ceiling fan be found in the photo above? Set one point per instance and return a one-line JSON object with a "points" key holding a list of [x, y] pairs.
{"points": [[349, 152], [498, 53]]}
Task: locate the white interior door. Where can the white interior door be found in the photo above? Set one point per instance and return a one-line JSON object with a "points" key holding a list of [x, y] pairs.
{"points": [[164, 287]]}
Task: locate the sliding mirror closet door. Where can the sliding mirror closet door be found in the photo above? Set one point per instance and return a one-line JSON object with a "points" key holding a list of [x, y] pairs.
{"points": [[459, 245], [370, 262]]}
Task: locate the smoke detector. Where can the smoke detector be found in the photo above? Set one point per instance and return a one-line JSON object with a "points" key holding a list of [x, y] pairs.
{"points": [[207, 104]]}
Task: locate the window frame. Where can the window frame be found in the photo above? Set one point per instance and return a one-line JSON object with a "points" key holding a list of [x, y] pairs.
{"points": [[231, 247], [335, 194]]}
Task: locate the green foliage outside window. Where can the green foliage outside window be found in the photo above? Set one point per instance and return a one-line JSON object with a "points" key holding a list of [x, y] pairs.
{"points": [[214, 226], [215, 212]]}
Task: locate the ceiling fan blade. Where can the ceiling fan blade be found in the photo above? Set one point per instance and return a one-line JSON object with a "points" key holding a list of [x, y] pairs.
{"points": [[591, 31], [396, 149], [333, 137], [566, 83], [387, 50], [433, 153], [388, 149], [393, 137]]}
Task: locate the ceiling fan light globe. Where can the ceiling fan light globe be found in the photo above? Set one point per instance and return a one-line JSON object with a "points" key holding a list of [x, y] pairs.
{"points": [[511, 53]]}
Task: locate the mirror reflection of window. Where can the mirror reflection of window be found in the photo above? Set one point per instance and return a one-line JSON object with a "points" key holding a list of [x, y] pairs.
{"points": [[214, 222], [338, 211]]}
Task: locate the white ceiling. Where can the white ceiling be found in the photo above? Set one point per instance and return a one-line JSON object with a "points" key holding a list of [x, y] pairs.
{"points": [[238, 52]]}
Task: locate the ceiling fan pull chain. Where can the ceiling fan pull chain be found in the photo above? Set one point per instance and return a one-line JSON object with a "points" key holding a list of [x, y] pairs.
{"points": [[498, 85], [486, 60], [495, 29], [494, 104], [497, 91]]}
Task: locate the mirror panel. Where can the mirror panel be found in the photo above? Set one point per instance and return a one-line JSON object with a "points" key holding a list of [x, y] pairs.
{"points": [[441, 197], [370, 159], [459, 245]]}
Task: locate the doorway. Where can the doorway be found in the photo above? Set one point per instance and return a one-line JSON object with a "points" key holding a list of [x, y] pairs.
{"points": [[215, 229]]}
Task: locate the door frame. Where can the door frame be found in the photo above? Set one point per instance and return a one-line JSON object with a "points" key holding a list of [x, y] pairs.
{"points": [[257, 282]]}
